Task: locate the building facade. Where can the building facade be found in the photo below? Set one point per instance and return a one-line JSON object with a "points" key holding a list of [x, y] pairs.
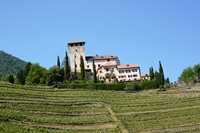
{"points": [[107, 66], [76, 50]]}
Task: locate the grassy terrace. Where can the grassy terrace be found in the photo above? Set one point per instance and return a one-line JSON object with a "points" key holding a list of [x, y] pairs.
{"points": [[42, 109]]}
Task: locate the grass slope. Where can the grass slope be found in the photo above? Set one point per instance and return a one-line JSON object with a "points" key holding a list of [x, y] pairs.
{"points": [[42, 109]]}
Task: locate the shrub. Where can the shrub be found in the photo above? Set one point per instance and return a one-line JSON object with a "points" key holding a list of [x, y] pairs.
{"points": [[92, 86], [162, 88], [133, 86], [167, 85], [149, 84]]}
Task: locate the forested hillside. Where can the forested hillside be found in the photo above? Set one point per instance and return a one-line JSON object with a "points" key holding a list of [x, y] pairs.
{"points": [[10, 64]]}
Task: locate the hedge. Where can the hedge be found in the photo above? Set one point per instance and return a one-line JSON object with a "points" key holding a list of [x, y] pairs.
{"points": [[93, 86]]}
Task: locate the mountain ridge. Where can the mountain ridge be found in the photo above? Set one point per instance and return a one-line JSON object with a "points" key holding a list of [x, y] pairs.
{"points": [[10, 64]]}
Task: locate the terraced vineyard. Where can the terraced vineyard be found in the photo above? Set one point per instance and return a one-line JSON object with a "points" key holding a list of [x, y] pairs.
{"points": [[42, 109]]}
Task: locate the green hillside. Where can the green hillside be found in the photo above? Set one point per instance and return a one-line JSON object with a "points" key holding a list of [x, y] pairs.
{"points": [[42, 109], [10, 64]]}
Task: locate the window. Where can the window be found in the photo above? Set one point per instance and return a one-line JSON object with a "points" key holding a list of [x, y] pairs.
{"points": [[108, 59], [87, 66], [135, 75], [80, 44], [134, 70], [76, 44], [107, 69], [100, 71], [130, 76], [99, 65], [127, 71], [76, 50]]}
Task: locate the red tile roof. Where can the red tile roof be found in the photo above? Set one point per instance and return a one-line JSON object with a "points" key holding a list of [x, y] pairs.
{"points": [[109, 64], [145, 75], [127, 66]]}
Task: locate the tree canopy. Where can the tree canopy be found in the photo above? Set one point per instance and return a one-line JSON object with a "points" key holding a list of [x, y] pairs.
{"points": [[190, 74], [10, 64]]}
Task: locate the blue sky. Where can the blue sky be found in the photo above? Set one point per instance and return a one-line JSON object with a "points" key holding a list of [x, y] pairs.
{"points": [[141, 32]]}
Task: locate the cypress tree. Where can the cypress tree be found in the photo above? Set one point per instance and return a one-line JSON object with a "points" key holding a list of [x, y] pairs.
{"points": [[157, 77], [161, 74], [67, 68], [82, 68], [58, 61], [167, 80], [94, 72], [75, 66], [151, 72]]}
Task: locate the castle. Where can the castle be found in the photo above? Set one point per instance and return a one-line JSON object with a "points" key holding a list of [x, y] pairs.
{"points": [[107, 66]]}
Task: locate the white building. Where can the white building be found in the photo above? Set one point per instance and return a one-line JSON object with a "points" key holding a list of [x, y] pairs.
{"points": [[145, 76], [99, 62], [107, 66]]}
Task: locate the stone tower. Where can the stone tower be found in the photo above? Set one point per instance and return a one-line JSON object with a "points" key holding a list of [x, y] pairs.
{"points": [[76, 49]]}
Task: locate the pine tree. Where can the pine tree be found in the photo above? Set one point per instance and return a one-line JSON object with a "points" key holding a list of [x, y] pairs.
{"points": [[67, 68], [151, 72], [82, 68], [58, 61], [94, 72], [161, 74]]}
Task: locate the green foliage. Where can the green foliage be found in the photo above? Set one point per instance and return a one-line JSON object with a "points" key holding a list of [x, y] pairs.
{"points": [[94, 72], [149, 84], [22, 74], [133, 86], [93, 86], [53, 75], [162, 88], [47, 110], [167, 80], [9, 78], [151, 72], [10, 64], [197, 72], [167, 85], [36, 74], [58, 61], [187, 75], [161, 74], [67, 67], [82, 68]]}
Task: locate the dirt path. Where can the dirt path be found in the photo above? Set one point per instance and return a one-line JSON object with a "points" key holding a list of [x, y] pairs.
{"points": [[121, 126]]}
